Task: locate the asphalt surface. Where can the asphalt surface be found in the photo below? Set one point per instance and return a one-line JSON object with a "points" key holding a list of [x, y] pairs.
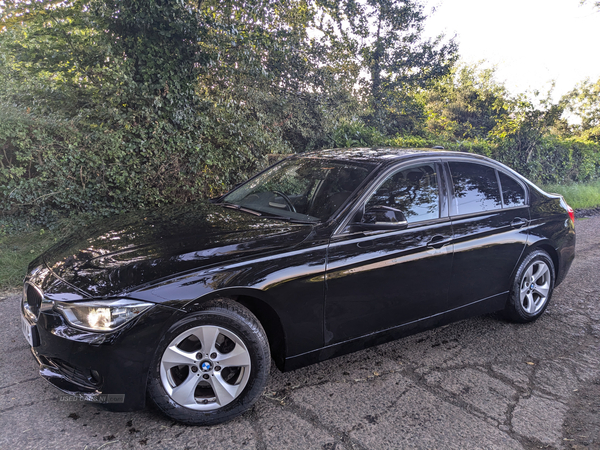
{"points": [[478, 384]]}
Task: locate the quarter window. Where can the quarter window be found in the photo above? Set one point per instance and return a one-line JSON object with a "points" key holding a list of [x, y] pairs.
{"points": [[414, 191], [513, 193], [475, 188]]}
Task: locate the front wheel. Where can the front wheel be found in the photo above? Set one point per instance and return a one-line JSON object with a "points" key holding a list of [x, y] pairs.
{"points": [[532, 288], [210, 366]]}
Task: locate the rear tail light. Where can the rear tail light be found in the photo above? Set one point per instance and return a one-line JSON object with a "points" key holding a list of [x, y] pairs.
{"points": [[571, 213], [565, 205]]}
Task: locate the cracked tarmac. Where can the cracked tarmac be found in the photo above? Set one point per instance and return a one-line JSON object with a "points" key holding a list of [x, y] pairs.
{"points": [[481, 383]]}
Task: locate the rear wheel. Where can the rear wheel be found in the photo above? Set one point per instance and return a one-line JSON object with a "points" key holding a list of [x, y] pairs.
{"points": [[532, 288], [210, 366]]}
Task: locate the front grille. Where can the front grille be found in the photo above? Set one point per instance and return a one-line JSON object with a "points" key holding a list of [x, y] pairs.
{"points": [[33, 297]]}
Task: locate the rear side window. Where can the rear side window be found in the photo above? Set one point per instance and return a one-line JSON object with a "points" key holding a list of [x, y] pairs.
{"points": [[513, 193], [475, 188]]}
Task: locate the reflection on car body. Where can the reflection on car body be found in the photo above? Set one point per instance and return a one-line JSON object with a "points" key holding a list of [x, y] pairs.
{"points": [[322, 254]]}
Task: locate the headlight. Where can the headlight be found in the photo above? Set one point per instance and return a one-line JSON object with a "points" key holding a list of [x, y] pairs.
{"points": [[101, 315]]}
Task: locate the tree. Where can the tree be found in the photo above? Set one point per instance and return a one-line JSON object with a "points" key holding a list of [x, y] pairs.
{"points": [[465, 104], [523, 136], [392, 53], [596, 3], [135, 103], [55, 53], [583, 102]]}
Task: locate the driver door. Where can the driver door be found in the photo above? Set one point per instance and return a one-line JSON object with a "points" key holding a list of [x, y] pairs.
{"points": [[381, 279]]}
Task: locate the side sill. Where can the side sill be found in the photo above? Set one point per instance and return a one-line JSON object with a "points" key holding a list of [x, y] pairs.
{"points": [[478, 308]]}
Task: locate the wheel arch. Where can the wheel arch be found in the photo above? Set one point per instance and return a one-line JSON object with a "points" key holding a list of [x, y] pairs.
{"points": [[271, 323], [259, 306], [549, 249], [540, 245], [515, 309]]}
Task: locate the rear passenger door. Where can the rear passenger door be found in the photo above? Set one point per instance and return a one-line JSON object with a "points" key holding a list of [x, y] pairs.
{"points": [[490, 215]]}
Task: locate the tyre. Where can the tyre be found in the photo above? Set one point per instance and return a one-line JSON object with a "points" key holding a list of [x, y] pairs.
{"points": [[210, 366], [531, 289]]}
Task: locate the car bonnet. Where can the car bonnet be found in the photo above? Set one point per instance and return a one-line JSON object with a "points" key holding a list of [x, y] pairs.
{"points": [[121, 254]]}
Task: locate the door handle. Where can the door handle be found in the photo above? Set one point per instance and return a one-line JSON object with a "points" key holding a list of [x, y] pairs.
{"points": [[437, 242], [518, 222]]}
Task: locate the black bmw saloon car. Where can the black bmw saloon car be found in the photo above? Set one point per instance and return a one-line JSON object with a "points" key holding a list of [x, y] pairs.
{"points": [[321, 254]]}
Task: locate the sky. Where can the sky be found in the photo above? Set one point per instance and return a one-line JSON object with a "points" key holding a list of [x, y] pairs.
{"points": [[531, 42]]}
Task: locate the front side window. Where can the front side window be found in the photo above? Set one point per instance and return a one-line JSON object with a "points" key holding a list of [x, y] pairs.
{"points": [[414, 191], [475, 187]]}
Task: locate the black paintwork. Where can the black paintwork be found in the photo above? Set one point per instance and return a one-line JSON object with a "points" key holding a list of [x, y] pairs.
{"points": [[320, 289]]}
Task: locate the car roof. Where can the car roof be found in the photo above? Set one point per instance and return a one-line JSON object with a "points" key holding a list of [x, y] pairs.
{"points": [[384, 155]]}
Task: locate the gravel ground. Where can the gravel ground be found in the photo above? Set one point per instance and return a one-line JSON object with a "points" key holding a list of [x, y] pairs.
{"points": [[481, 383], [584, 213]]}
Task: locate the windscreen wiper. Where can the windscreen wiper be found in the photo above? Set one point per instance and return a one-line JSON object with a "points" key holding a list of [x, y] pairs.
{"points": [[289, 219], [241, 208], [266, 216]]}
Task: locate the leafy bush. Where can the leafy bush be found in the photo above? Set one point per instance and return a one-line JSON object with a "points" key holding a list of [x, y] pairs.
{"points": [[57, 168], [553, 159], [355, 134], [108, 106]]}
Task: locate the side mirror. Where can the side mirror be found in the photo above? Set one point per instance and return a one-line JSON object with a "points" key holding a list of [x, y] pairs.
{"points": [[381, 217]]}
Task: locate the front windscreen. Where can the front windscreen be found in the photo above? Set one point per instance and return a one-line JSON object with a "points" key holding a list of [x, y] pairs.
{"points": [[310, 189]]}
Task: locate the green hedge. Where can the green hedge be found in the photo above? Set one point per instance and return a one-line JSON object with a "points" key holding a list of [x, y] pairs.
{"points": [[552, 159], [51, 169]]}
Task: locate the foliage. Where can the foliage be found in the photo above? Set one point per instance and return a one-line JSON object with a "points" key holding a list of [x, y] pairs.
{"points": [[170, 101], [465, 104], [578, 195], [386, 38], [468, 110], [583, 102], [555, 159], [595, 3], [522, 134], [108, 106], [355, 134], [18, 249]]}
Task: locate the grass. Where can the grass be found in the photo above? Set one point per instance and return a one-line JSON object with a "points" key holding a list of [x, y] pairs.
{"points": [[17, 251], [578, 196]]}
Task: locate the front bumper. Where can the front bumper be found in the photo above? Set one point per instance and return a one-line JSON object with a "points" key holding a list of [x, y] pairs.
{"points": [[107, 368], [68, 379]]}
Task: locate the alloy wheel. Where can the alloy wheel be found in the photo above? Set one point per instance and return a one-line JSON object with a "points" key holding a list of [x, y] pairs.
{"points": [[535, 287], [205, 368]]}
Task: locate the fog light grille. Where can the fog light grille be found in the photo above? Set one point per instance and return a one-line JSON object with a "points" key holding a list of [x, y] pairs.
{"points": [[77, 376]]}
